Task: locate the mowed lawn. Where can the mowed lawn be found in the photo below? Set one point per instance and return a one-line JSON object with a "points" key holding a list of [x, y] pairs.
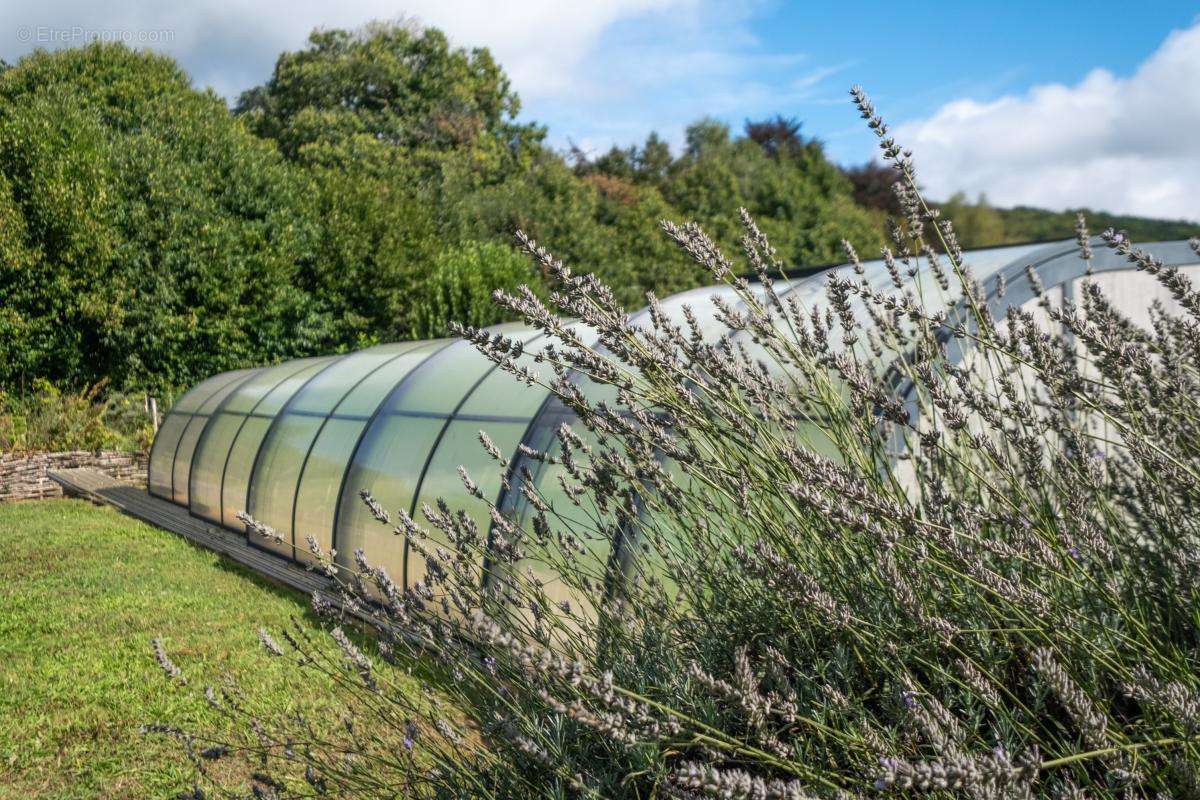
{"points": [[83, 589]]}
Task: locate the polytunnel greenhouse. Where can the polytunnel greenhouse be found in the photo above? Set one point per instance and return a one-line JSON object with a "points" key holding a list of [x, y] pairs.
{"points": [[293, 444]]}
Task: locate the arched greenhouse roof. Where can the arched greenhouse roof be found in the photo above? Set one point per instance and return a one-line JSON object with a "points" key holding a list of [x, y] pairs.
{"points": [[294, 443]]}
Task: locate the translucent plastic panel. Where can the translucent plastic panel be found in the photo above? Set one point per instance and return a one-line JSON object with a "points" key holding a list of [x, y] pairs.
{"points": [[567, 516], [212, 451], [388, 464], [273, 487], [208, 466], [191, 434], [983, 264], [316, 501], [397, 444], [402, 372], [782, 287], [183, 457], [326, 389], [1133, 293], [809, 293], [444, 382], [364, 399], [451, 375], [318, 474], [166, 442], [278, 397], [460, 446], [236, 483], [700, 301], [249, 396], [249, 439], [162, 454], [502, 394], [195, 398], [371, 395]]}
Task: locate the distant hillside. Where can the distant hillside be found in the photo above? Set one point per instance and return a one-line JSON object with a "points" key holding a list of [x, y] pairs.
{"points": [[1024, 223], [979, 224]]}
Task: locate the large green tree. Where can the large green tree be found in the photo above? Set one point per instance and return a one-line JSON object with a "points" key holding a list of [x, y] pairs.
{"points": [[147, 237], [398, 84], [394, 126], [420, 140]]}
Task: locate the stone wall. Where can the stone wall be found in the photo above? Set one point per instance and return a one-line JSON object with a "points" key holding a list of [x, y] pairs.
{"points": [[23, 476]]}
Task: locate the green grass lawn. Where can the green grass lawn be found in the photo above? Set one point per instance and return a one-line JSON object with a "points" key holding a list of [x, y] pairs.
{"points": [[83, 589]]}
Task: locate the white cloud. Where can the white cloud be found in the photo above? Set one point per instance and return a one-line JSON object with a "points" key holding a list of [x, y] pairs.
{"points": [[231, 46], [1121, 144]]}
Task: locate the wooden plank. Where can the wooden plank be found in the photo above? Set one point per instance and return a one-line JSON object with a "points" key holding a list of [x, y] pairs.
{"points": [[101, 488]]}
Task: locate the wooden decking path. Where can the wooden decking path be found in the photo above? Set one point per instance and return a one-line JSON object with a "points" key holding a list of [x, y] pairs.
{"points": [[98, 487]]}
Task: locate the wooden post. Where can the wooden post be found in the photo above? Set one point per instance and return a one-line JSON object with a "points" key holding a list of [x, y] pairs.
{"points": [[154, 413]]}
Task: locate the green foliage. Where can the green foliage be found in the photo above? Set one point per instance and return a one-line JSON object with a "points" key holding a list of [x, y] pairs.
{"points": [[611, 225], [783, 179], [1025, 224], [441, 146], [394, 128], [399, 84], [48, 419], [376, 240], [148, 237], [979, 224], [414, 163], [459, 286]]}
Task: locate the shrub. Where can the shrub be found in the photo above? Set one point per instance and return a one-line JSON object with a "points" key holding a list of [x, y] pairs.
{"points": [[768, 571], [459, 287], [49, 419]]}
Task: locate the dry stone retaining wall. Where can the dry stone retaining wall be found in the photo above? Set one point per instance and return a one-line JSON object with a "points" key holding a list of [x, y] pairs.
{"points": [[23, 476]]}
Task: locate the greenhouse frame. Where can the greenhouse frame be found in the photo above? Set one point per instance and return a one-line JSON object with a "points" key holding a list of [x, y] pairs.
{"points": [[293, 444]]}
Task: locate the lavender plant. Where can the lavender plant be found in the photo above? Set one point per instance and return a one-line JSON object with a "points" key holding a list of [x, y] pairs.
{"points": [[887, 544]]}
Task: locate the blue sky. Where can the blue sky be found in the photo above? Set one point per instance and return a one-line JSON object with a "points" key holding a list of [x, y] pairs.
{"points": [[921, 59], [798, 59], [1052, 104]]}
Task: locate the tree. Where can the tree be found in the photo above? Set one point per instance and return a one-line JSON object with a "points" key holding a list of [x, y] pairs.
{"points": [[872, 184], [397, 83], [649, 164], [149, 238], [376, 240], [976, 224], [394, 126], [776, 136], [796, 194], [654, 160], [599, 224], [459, 288]]}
